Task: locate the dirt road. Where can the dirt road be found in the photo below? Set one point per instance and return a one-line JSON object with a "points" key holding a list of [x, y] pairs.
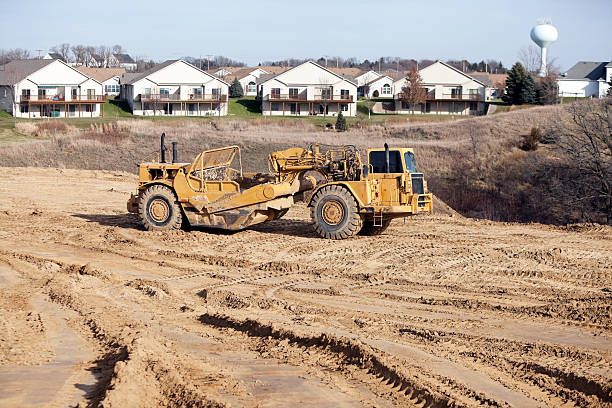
{"points": [[439, 311]]}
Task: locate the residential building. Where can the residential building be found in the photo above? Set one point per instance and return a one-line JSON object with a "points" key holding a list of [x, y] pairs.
{"points": [[366, 77], [449, 91], [495, 83], [247, 78], [95, 61], [122, 61], [586, 79], [38, 88], [175, 88], [222, 73], [307, 89], [108, 77], [380, 87], [54, 55]]}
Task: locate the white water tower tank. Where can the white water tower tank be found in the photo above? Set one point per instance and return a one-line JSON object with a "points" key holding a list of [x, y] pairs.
{"points": [[544, 34]]}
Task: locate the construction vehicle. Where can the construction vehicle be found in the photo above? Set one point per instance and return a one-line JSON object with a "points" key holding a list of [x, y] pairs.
{"points": [[345, 196]]}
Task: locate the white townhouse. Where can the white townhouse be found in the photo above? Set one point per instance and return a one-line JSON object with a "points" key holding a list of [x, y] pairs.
{"points": [[381, 87], [586, 80], [108, 77], [122, 61], [307, 89], [176, 88], [366, 77], [449, 91], [248, 79], [40, 88]]}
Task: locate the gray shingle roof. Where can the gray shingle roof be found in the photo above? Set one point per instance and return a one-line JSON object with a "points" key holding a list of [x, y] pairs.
{"points": [[125, 58], [587, 70], [149, 71], [16, 71]]}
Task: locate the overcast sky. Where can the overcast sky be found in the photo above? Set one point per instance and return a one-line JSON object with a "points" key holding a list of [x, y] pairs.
{"points": [[254, 31]]}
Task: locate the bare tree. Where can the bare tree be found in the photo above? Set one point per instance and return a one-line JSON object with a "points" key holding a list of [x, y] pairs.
{"points": [[530, 57], [13, 54], [63, 50], [78, 51], [413, 92], [586, 143], [89, 52], [104, 52], [117, 49]]}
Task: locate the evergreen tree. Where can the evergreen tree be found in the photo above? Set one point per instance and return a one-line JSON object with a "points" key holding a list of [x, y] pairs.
{"points": [[236, 89], [610, 88], [514, 84], [341, 125], [528, 92]]}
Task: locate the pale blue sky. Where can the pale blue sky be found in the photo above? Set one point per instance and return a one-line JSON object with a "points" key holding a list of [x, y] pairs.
{"points": [[254, 31]]}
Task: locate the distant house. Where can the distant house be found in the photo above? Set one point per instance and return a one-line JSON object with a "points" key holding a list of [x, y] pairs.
{"points": [[54, 55], [380, 87], [307, 89], [495, 83], [122, 61], [39, 88], [175, 88], [222, 73], [95, 61], [247, 78], [108, 77], [586, 79], [449, 91], [366, 77]]}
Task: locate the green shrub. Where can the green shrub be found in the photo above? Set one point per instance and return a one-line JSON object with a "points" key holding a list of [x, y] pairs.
{"points": [[341, 125]]}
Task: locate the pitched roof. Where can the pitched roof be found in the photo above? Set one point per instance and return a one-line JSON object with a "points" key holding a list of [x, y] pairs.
{"points": [[127, 77], [240, 73], [454, 69], [124, 58], [378, 79], [261, 79], [55, 55], [17, 70], [101, 74], [586, 70], [164, 65]]}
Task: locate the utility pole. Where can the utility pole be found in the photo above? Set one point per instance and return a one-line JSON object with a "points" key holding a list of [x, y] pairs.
{"points": [[200, 61], [336, 62], [208, 62], [379, 69], [39, 50]]}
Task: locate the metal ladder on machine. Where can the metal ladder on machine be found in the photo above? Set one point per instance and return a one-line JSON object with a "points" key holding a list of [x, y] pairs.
{"points": [[378, 217]]}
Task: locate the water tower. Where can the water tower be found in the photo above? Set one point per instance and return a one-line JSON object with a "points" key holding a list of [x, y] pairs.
{"points": [[544, 34]]}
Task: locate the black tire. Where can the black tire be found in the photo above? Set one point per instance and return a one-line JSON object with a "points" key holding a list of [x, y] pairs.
{"points": [[159, 210], [334, 213], [369, 229]]}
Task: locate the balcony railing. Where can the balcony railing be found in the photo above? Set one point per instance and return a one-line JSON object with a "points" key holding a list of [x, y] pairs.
{"points": [[431, 96], [62, 98], [185, 98], [316, 97]]}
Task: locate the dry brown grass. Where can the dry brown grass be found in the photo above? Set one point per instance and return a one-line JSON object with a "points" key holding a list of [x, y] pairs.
{"points": [[474, 164]]}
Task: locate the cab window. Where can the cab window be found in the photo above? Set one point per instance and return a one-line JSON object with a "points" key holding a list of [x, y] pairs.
{"points": [[410, 162], [377, 160]]}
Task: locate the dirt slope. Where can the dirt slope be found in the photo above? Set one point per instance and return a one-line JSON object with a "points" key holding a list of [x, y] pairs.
{"points": [[439, 311]]}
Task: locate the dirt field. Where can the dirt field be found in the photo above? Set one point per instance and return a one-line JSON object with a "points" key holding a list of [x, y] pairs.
{"points": [[439, 311]]}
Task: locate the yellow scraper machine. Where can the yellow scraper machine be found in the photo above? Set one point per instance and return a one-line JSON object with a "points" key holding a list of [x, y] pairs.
{"points": [[345, 196]]}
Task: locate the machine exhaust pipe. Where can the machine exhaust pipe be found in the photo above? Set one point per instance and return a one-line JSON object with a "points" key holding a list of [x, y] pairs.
{"points": [[163, 148], [174, 152], [387, 163]]}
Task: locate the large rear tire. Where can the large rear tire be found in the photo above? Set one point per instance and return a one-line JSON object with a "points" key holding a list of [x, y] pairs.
{"points": [[159, 210], [370, 229], [335, 213]]}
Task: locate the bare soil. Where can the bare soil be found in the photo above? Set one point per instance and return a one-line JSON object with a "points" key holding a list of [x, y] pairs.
{"points": [[438, 311]]}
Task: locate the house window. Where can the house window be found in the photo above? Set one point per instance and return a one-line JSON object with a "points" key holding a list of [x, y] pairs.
{"points": [[197, 91], [193, 108], [326, 93], [386, 89], [251, 87], [275, 92], [88, 108], [473, 106], [405, 105], [24, 108], [164, 91], [344, 107], [111, 88], [293, 92], [146, 106], [147, 91], [274, 106], [293, 108]]}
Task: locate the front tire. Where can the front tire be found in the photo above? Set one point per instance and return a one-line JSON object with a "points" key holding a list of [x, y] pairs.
{"points": [[159, 210], [335, 213]]}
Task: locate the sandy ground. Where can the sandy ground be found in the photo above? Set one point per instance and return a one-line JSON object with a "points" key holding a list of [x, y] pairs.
{"points": [[438, 311]]}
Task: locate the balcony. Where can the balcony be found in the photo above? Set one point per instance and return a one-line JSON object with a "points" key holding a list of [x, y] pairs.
{"points": [[194, 98], [431, 96], [315, 98], [61, 99]]}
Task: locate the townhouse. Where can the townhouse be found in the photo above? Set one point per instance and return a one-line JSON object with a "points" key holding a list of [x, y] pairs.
{"points": [[586, 79], [379, 87], [122, 61], [307, 89], [108, 77], [39, 88], [448, 91], [248, 79], [175, 88]]}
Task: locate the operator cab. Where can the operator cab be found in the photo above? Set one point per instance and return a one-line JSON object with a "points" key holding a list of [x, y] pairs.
{"points": [[400, 161]]}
